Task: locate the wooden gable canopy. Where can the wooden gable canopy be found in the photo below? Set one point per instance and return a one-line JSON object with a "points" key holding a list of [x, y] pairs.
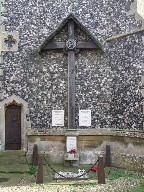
{"points": [[48, 44]]}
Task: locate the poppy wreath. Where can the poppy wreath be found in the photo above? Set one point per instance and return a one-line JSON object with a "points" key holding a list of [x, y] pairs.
{"points": [[95, 169], [72, 151]]}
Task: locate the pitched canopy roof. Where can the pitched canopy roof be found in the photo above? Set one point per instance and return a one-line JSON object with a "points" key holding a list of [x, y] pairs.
{"points": [[63, 23]]}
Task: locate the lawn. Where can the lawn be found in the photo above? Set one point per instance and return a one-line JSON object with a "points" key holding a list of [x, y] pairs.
{"points": [[117, 180], [140, 188]]}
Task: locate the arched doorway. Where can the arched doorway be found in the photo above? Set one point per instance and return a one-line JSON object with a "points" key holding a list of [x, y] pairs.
{"points": [[13, 127], [25, 121]]}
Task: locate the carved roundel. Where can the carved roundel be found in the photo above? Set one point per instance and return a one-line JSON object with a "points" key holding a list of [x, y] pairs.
{"points": [[70, 44]]}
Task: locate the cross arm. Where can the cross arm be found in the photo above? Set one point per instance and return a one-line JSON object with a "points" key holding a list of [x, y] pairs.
{"points": [[86, 45], [54, 45], [61, 45]]}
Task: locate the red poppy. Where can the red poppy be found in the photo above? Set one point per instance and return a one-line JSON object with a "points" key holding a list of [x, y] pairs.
{"points": [[72, 151], [95, 169]]}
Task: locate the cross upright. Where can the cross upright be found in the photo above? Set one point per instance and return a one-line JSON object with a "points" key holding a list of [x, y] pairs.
{"points": [[71, 45]]}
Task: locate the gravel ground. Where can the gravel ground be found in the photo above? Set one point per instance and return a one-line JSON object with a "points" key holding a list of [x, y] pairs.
{"points": [[119, 185]]}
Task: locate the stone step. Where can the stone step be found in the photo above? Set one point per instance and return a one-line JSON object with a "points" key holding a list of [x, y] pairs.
{"points": [[12, 160], [12, 153], [14, 168]]}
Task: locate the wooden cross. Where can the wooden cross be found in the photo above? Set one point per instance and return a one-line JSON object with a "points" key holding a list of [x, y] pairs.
{"points": [[71, 45]]}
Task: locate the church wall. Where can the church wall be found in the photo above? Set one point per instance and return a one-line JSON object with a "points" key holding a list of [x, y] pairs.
{"points": [[108, 83], [126, 151], [51, 146]]}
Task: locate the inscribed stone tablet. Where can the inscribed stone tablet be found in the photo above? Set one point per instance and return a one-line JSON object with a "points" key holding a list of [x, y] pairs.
{"points": [[71, 143], [57, 117], [140, 7], [85, 118]]}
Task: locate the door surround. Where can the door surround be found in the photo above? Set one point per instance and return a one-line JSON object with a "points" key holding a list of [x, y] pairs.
{"points": [[24, 123]]}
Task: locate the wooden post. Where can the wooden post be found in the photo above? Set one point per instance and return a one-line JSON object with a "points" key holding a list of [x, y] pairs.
{"points": [[101, 173], [35, 155], [39, 179], [71, 76], [108, 156]]}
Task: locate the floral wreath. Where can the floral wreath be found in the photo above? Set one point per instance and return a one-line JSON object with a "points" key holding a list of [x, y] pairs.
{"points": [[72, 151]]}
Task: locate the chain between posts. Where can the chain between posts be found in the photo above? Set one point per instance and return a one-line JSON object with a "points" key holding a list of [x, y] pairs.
{"points": [[69, 177]]}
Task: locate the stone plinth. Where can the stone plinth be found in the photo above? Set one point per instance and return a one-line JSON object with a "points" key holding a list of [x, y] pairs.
{"points": [[71, 161]]}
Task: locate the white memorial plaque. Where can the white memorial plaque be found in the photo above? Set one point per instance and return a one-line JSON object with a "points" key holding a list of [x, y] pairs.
{"points": [[57, 117], [71, 143], [85, 118], [140, 7]]}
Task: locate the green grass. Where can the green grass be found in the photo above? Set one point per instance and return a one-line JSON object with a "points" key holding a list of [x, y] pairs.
{"points": [[127, 183], [110, 173], [32, 170], [117, 173], [140, 188]]}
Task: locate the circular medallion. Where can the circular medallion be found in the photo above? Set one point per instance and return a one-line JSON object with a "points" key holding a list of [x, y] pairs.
{"points": [[70, 44]]}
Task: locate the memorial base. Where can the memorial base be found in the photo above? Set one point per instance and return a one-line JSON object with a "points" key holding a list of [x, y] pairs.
{"points": [[71, 159], [71, 156]]}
